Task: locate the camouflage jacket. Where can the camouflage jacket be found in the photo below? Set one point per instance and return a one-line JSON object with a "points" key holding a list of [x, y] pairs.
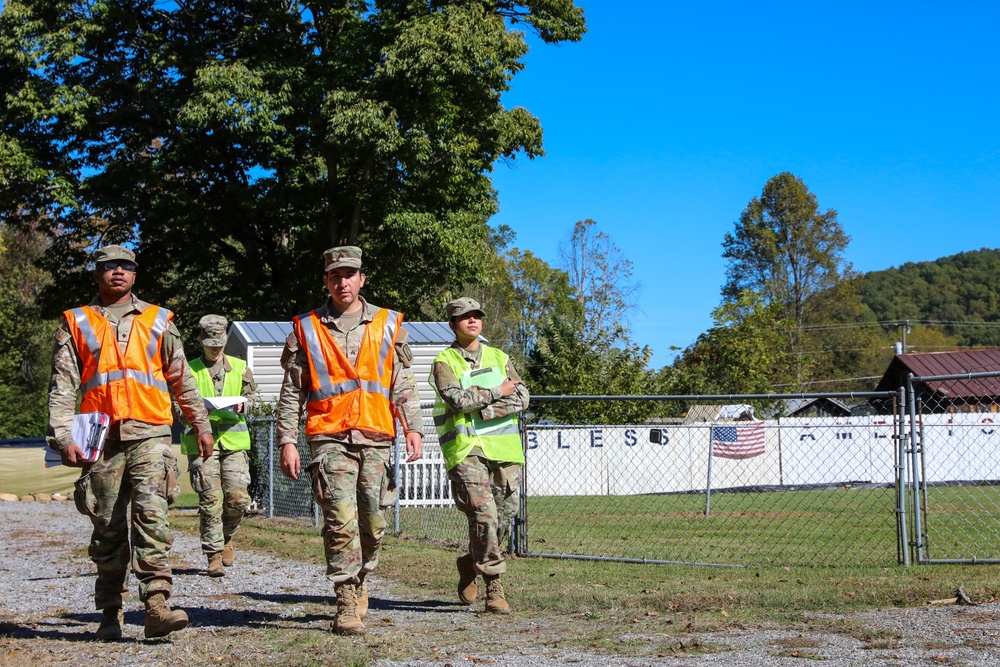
{"points": [[402, 392], [65, 383], [488, 401]]}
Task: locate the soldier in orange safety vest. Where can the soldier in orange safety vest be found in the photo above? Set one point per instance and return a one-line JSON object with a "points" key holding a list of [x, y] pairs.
{"points": [[123, 357], [348, 364]]}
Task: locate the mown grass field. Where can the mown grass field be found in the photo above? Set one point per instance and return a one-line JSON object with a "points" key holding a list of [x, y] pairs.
{"points": [[817, 527]]}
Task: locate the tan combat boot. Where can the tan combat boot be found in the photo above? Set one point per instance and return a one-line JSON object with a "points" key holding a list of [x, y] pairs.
{"points": [[496, 603], [361, 593], [467, 588], [111, 626], [215, 568], [160, 620], [228, 553], [346, 622]]}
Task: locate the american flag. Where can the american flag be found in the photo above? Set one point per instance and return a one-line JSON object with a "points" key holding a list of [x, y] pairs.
{"points": [[738, 442]]}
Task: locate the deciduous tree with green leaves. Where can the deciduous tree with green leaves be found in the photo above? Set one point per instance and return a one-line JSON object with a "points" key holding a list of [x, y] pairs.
{"points": [[232, 142], [25, 336], [784, 248]]}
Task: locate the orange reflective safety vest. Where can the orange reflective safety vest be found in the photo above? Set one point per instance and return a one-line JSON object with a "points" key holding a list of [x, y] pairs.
{"points": [[341, 396], [124, 385]]}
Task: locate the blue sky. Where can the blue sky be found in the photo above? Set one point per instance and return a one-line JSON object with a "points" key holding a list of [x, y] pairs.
{"points": [[669, 117]]}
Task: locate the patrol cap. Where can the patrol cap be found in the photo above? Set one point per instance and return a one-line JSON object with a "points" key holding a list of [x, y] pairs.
{"points": [[345, 255], [112, 252], [213, 331], [461, 306]]}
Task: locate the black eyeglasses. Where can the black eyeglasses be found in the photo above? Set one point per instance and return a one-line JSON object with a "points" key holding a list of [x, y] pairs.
{"points": [[113, 264]]}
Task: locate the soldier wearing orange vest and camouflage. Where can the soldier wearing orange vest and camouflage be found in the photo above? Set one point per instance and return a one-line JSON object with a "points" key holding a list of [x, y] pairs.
{"points": [[348, 364], [125, 358]]}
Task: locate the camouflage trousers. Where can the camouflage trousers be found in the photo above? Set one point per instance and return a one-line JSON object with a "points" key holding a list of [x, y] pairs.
{"points": [[221, 483], [488, 492], [348, 483], [143, 473]]}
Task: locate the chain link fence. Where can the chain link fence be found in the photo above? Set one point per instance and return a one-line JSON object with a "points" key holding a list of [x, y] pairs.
{"points": [[956, 465], [804, 479], [720, 486]]}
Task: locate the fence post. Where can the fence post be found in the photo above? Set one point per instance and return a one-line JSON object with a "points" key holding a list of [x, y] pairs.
{"points": [[708, 484], [917, 528], [901, 527], [270, 468]]}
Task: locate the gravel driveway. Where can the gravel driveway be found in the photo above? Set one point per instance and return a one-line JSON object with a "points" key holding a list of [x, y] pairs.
{"points": [[47, 618]]}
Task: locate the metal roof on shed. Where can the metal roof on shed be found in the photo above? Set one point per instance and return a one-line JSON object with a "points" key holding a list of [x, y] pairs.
{"points": [[946, 363], [274, 333]]}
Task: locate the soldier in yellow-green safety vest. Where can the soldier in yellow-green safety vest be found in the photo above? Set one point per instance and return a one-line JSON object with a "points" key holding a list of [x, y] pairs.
{"points": [[479, 395], [221, 480]]}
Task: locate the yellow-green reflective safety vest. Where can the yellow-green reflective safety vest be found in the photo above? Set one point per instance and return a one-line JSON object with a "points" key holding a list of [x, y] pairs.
{"points": [[228, 428], [499, 439]]}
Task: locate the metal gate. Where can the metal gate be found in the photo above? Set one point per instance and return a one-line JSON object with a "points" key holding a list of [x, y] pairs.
{"points": [[955, 467]]}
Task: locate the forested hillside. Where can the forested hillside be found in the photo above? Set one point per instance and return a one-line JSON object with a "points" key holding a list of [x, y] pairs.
{"points": [[959, 294]]}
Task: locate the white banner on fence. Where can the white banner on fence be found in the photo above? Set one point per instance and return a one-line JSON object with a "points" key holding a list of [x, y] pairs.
{"points": [[837, 450], [961, 447]]}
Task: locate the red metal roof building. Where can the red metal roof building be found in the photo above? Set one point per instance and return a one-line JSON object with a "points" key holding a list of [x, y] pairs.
{"points": [[953, 395]]}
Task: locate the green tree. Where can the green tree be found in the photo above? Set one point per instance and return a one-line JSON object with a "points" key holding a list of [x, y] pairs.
{"points": [[745, 352], [231, 143], [784, 248], [25, 336], [565, 362]]}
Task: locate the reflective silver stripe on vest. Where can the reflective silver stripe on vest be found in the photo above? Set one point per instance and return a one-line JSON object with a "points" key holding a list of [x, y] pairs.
{"points": [[349, 385], [89, 335], [147, 379], [233, 428], [156, 333], [460, 429], [326, 388], [318, 361], [387, 335], [510, 429]]}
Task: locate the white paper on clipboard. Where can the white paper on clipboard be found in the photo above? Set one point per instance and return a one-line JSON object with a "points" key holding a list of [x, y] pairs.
{"points": [[223, 402], [89, 431]]}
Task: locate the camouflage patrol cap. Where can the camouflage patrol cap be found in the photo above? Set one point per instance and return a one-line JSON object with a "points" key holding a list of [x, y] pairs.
{"points": [[461, 306], [345, 255], [111, 252], [213, 331]]}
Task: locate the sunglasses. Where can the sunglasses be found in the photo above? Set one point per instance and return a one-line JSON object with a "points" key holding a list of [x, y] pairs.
{"points": [[115, 263]]}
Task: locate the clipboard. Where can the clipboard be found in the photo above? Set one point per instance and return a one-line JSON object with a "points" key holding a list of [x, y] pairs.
{"points": [[89, 430], [488, 377]]}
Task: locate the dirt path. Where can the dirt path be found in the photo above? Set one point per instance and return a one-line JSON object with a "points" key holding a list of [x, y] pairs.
{"points": [[276, 611]]}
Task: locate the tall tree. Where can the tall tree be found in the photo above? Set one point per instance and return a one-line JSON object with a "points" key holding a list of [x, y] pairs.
{"points": [[232, 142], [602, 279], [785, 248]]}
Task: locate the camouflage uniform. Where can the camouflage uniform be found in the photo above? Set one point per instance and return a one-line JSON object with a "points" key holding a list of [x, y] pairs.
{"points": [[222, 480], [137, 466], [349, 470], [487, 492]]}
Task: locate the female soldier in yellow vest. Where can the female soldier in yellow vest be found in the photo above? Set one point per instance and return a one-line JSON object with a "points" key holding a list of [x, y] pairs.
{"points": [[221, 480], [478, 397]]}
